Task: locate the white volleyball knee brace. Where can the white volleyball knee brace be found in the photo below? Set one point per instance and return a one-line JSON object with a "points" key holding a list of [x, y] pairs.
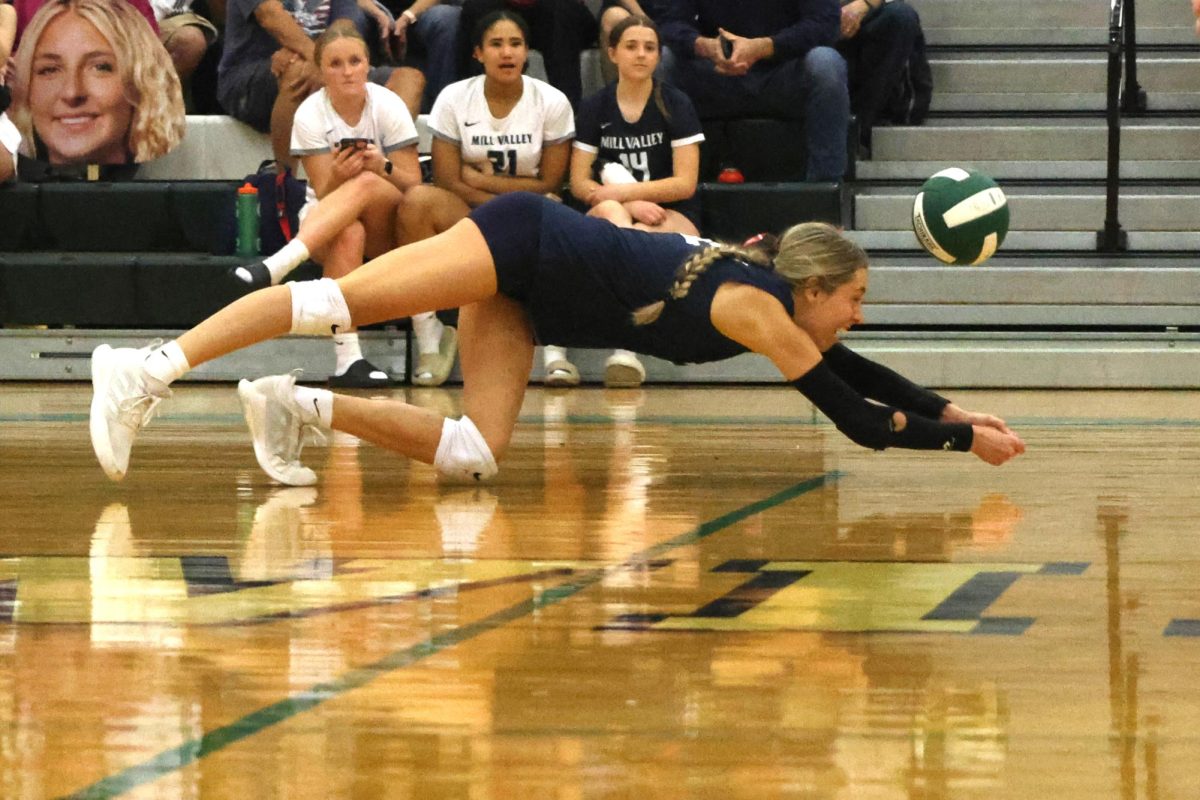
{"points": [[318, 308], [462, 454]]}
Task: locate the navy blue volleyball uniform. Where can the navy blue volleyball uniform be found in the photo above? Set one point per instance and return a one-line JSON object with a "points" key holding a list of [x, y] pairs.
{"points": [[581, 279], [643, 147]]}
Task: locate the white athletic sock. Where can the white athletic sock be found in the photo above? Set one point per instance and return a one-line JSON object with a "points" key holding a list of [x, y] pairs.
{"points": [[166, 364], [551, 353], [316, 406], [428, 330], [290, 256], [347, 350]]}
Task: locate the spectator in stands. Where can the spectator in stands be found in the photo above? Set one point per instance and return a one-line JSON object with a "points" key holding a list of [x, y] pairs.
{"points": [[95, 86], [559, 29], [425, 35], [1196, 13], [649, 135], [186, 35], [612, 12], [267, 67], [877, 39], [781, 63], [499, 132], [358, 144]]}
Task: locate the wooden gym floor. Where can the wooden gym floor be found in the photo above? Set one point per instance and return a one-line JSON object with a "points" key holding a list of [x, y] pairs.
{"points": [[675, 593]]}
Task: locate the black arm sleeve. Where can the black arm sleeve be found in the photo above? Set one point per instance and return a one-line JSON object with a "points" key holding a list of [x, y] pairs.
{"points": [[870, 425], [880, 383]]}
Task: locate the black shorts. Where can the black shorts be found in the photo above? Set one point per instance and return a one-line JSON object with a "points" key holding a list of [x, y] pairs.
{"points": [[511, 225]]}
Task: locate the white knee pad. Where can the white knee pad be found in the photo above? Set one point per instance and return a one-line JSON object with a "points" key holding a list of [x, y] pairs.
{"points": [[318, 308], [462, 455]]}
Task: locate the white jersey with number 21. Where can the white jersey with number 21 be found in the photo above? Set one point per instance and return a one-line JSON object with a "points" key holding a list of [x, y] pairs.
{"points": [[513, 144]]}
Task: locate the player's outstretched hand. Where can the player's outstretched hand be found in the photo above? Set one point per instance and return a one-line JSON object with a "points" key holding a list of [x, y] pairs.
{"points": [[952, 413], [995, 446]]}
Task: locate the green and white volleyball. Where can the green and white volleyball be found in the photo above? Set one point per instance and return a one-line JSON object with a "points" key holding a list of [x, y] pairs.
{"points": [[960, 216]]}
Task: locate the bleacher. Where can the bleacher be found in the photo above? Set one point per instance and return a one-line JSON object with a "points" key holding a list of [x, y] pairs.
{"points": [[1023, 103], [1020, 93]]}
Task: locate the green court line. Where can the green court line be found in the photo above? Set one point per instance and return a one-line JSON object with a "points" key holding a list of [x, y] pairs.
{"points": [[191, 751]]}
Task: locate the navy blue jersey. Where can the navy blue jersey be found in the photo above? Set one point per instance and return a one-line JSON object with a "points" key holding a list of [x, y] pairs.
{"points": [[643, 147], [581, 278]]}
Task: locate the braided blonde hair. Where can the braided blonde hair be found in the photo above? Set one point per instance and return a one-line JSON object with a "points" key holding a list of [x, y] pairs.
{"points": [[811, 253]]}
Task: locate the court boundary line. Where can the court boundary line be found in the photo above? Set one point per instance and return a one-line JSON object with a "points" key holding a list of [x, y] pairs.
{"points": [[191, 751], [589, 420]]}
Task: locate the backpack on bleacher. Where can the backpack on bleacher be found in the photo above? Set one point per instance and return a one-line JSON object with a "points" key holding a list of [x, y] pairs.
{"points": [[281, 195], [909, 103]]}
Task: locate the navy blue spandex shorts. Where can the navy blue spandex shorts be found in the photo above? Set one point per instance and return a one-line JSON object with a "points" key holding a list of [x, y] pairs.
{"points": [[511, 225]]}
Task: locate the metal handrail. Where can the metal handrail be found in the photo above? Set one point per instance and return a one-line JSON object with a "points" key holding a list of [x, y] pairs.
{"points": [[1133, 98], [1112, 238]]}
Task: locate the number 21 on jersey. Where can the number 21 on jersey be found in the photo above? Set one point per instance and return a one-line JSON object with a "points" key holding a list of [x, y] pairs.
{"points": [[504, 161]]}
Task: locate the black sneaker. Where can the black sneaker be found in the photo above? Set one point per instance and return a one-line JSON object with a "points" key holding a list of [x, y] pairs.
{"points": [[361, 375], [250, 276]]}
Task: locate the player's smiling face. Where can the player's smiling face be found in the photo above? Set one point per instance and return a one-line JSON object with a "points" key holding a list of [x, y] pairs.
{"points": [[77, 96], [824, 315], [636, 54], [503, 51]]}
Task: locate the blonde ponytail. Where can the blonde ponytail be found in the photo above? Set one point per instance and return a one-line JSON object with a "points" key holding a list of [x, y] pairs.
{"points": [[811, 252]]}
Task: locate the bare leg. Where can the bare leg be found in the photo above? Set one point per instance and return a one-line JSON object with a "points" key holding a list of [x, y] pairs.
{"points": [[343, 255], [409, 85], [393, 424], [450, 270], [674, 223], [186, 47], [347, 203], [283, 112], [427, 211], [379, 221], [497, 355]]}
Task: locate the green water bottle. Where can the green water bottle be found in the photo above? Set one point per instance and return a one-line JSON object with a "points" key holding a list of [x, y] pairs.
{"points": [[247, 221]]}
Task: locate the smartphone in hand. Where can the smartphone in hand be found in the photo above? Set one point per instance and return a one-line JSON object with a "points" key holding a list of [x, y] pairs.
{"points": [[355, 143]]}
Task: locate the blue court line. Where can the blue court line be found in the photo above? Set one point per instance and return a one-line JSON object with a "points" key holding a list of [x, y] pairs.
{"points": [[191, 751]]}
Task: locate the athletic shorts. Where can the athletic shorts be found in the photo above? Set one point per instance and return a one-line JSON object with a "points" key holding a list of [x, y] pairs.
{"points": [[511, 225], [171, 25], [247, 92]]}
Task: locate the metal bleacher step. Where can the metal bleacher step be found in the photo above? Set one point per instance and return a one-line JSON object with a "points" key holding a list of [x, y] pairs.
{"points": [[1007, 23], [1022, 82], [1058, 207], [1042, 139], [1085, 291], [1042, 241], [1083, 360], [879, 169], [1019, 148]]}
